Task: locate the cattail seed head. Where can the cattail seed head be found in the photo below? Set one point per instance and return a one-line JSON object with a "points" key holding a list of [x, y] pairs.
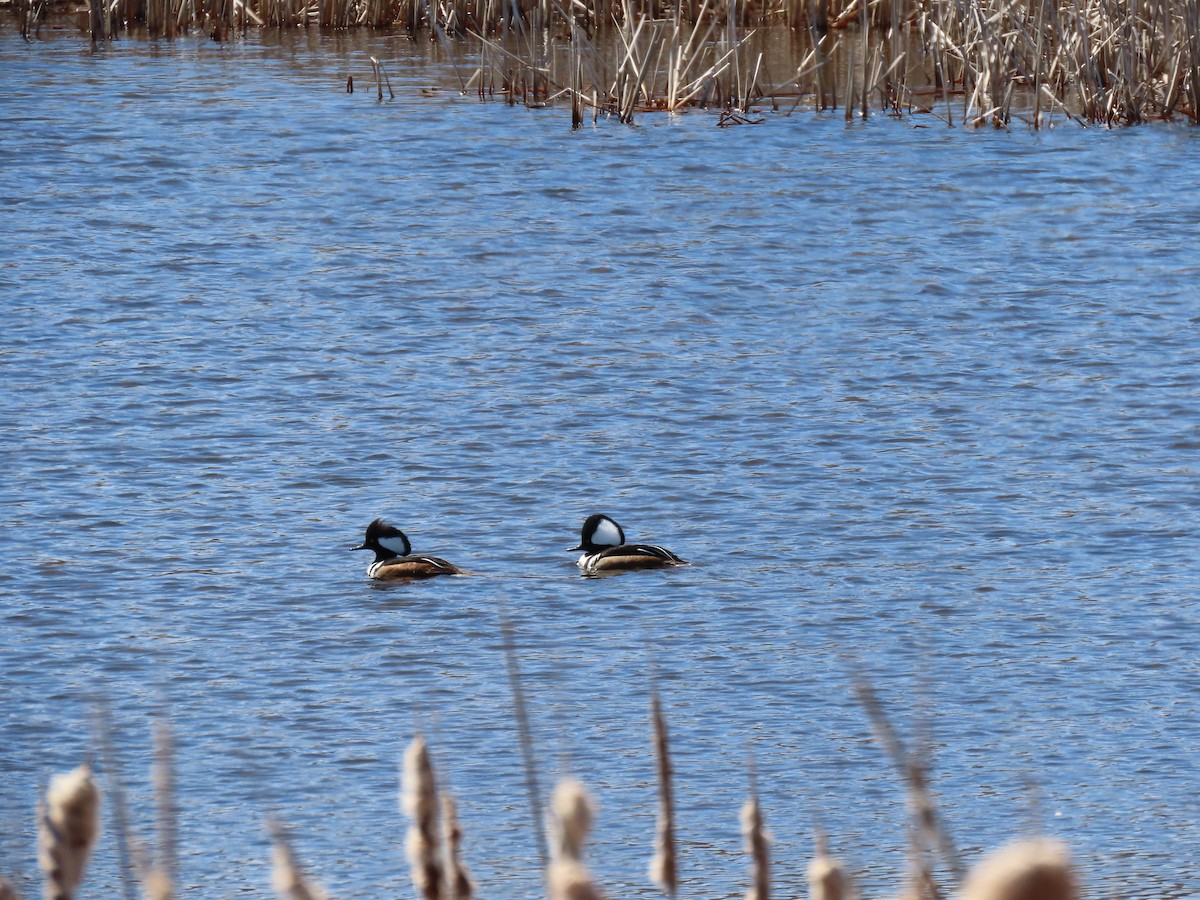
{"points": [[828, 879], [573, 814], [419, 801], [67, 827], [757, 845], [1023, 870], [458, 879], [567, 878]]}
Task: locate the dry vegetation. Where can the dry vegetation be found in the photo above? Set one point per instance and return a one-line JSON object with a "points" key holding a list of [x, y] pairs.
{"points": [[69, 824], [975, 62]]}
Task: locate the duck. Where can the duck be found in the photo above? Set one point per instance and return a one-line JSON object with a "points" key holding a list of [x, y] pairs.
{"points": [[604, 549], [392, 561]]}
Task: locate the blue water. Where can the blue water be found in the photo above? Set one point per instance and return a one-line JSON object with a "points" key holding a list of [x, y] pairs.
{"points": [[920, 403]]}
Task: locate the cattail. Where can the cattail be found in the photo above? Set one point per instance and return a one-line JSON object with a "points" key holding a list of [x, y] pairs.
{"points": [[663, 867], [458, 879], [827, 877], [418, 799], [567, 878], [67, 827], [287, 878], [8, 891], [1023, 870], [757, 840]]}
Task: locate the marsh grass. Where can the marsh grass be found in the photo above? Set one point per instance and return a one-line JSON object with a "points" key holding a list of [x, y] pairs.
{"points": [[966, 62], [1038, 869]]}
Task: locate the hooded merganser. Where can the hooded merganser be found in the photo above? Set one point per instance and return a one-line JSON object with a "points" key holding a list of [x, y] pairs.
{"points": [[604, 549], [391, 555]]}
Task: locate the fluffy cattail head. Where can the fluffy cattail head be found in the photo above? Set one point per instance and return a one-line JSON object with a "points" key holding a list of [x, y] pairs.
{"points": [[1023, 870], [567, 877], [68, 825], [287, 878], [828, 879], [7, 891], [573, 814], [418, 798]]}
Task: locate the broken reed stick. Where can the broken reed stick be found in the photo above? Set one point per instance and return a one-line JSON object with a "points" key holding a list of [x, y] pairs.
{"points": [[419, 801], [572, 810], [287, 877], [664, 866], [68, 824]]}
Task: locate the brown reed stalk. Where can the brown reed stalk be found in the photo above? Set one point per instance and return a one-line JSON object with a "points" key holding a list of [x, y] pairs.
{"points": [[914, 772], [1024, 870], [525, 738], [664, 867], [572, 810], [419, 801], [123, 832], [287, 877], [459, 885], [158, 876], [758, 846], [68, 824]]}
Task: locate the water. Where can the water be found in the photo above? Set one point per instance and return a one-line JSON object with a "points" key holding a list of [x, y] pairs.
{"points": [[917, 401]]}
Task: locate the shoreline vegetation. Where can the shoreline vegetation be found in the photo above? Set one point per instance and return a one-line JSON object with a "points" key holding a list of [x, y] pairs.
{"points": [[437, 850], [965, 62]]}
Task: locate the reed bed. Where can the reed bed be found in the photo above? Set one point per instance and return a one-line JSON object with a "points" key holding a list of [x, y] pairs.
{"points": [[966, 62], [1028, 869]]}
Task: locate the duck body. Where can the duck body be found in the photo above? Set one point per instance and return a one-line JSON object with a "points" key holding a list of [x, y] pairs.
{"points": [[604, 549], [392, 560]]}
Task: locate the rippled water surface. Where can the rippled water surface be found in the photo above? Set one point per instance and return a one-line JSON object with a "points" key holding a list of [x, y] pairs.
{"points": [[915, 400]]}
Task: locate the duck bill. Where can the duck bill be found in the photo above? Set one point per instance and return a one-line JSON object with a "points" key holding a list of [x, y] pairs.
{"points": [[361, 547]]}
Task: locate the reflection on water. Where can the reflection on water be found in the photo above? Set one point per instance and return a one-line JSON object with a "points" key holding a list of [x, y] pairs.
{"points": [[918, 400]]}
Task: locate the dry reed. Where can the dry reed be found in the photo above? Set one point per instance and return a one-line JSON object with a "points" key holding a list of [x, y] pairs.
{"points": [[928, 833], [567, 878], [68, 824], [525, 738], [158, 876], [972, 62], [419, 801], [664, 865], [1025, 870]]}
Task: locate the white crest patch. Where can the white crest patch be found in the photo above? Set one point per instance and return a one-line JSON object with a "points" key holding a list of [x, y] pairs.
{"points": [[607, 534], [396, 544]]}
